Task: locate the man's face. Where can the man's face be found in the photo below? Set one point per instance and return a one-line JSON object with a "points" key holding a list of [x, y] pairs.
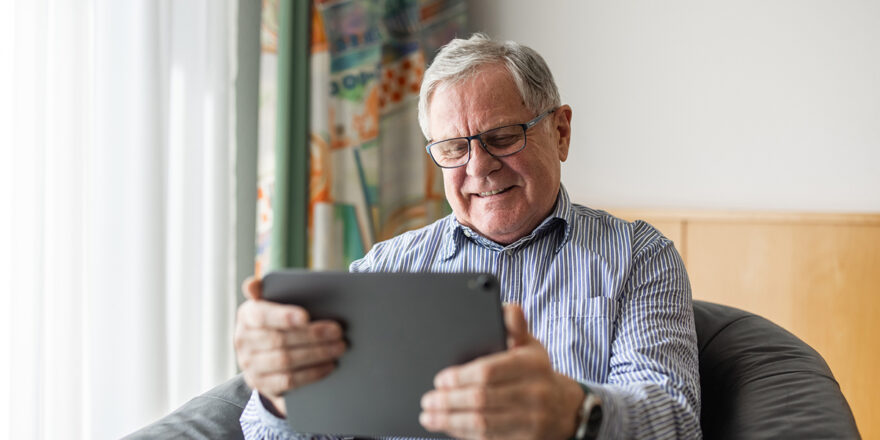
{"points": [[528, 181]]}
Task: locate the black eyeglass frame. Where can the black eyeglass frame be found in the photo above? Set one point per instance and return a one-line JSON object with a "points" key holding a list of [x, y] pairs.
{"points": [[479, 136]]}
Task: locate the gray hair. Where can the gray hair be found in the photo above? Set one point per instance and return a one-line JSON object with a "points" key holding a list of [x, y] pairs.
{"points": [[460, 59]]}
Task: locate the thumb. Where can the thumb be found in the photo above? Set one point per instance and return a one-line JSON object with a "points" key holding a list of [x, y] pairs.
{"points": [[252, 288], [517, 327]]}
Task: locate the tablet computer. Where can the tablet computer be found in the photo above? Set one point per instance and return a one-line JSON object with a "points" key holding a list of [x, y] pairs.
{"points": [[401, 329]]}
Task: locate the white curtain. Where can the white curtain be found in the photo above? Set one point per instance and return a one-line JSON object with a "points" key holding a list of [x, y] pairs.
{"points": [[116, 190]]}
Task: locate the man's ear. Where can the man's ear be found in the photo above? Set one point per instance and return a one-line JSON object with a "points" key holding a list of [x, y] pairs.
{"points": [[562, 119]]}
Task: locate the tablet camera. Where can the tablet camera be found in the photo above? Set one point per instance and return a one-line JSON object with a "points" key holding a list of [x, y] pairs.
{"points": [[482, 282]]}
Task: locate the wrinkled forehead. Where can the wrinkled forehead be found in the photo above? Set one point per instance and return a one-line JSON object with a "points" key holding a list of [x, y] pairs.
{"points": [[484, 100]]}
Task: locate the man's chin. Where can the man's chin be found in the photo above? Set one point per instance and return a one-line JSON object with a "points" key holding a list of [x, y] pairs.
{"points": [[499, 231]]}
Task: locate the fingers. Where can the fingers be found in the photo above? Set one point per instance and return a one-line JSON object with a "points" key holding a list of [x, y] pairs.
{"points": [[525, 356], [516, 325], [528, 409], [262, 314], [533, 394], [483, 425], [472, 398], [259, 339], [279, 361], [279, 368], [512, 394], [278, 349], [263, 351], [252, 288], [496, 368], [276, 384]]}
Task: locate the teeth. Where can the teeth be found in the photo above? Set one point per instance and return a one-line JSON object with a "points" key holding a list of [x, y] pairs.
{"points": [[492, 193]]}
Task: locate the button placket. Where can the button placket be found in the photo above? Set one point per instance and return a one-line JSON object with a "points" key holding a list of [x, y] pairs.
{"points": [[513, 264]]}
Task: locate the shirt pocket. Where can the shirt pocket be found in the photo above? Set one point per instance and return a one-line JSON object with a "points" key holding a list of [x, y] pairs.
{"points": [[584, 307], [579, 342]]}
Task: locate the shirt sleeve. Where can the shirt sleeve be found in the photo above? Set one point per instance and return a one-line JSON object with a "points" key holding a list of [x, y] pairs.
{"points": [[257, 422], [367, 263], [653, 387]]}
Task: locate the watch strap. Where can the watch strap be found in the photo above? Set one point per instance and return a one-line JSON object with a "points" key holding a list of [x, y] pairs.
{"points": [[589, 415]]}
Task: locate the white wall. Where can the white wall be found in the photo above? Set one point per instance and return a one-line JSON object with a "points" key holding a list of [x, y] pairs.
{"points": [[747, 104]]}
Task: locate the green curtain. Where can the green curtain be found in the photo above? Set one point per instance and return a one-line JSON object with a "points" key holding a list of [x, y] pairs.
{"points": [[289, 239], [283, 163]]}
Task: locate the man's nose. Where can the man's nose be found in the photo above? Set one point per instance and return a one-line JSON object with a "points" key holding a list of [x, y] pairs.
{"points": [[482, 163]]}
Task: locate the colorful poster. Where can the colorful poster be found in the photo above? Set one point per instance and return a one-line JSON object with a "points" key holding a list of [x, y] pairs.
{"points": [[370, 178]]}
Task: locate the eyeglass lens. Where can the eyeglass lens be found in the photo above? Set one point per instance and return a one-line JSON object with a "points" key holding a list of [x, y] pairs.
{"points": [[502, 141]]}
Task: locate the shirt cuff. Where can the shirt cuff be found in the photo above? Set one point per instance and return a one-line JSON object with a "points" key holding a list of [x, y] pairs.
{"points": [[615, 414], [255, 415]]}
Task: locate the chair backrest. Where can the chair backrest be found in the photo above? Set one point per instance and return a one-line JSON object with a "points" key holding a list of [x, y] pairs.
{"points": [[760, 381]]}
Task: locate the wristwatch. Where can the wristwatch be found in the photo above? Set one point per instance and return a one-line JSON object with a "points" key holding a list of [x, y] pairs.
{"points": [[589, 416]]}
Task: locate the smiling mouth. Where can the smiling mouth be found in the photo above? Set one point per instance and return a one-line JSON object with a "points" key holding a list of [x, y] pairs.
{"points": [[493, 192]]}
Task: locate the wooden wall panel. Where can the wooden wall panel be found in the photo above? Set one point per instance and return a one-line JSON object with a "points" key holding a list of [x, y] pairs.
{"points": [[817, 275], [743, 265], [838, 273], [820, 282]]}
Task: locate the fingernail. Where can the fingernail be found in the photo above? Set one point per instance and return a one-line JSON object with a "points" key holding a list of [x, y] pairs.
{"points": [[297, 318], [426, 420], [338, 349], [443, 380], [330, 331], [428, 402]]}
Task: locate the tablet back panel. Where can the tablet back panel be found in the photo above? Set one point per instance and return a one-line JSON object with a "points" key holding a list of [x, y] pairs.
{"points": [[402, 329]]}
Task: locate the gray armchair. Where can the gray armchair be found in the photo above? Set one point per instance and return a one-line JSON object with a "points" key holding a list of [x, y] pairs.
{"points": [[758, 381]]}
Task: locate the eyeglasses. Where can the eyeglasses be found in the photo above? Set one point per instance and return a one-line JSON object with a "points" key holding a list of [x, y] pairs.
{"points": [[498, 142]]}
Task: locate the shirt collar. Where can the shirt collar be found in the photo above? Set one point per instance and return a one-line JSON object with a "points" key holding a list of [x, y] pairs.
{"points": [[558, 220]]}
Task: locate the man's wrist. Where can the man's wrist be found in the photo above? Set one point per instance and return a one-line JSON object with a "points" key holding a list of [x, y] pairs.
{"points": [[573, 400]]}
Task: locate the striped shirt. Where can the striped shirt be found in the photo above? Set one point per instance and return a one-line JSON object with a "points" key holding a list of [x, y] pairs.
{"points": [[610, 301]]}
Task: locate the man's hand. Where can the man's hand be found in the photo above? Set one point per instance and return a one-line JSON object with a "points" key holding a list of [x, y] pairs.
{"points": [[278, 349], [513, 394]]}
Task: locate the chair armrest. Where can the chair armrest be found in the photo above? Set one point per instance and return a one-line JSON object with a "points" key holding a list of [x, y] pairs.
{"points": [[211, 415]]}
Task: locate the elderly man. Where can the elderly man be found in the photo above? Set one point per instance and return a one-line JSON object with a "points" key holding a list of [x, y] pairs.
{"points": [[601, 334]]}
